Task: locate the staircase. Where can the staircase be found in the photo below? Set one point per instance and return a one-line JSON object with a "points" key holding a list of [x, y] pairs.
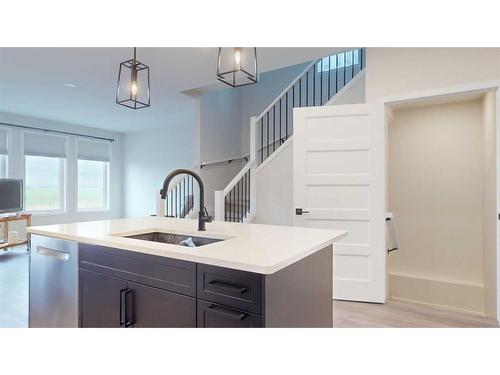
{"points": [[317, 85], [179, 202]]}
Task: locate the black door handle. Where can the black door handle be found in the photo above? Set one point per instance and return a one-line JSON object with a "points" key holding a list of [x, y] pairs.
{"points": [[232, 287], [231, 313], [300, 211]]}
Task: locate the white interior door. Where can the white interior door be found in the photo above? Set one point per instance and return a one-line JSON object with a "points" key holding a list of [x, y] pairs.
{"points": [[339, 179]]}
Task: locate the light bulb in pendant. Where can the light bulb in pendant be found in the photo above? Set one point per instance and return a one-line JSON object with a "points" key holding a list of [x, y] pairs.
{"points": [[134, 88], [237, 58]]}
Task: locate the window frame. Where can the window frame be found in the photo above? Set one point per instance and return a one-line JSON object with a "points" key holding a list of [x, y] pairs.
{"points": [[62, 209], [106, 184]]}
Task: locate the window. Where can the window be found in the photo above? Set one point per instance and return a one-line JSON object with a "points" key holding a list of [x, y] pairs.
{"points": [[3, 153], [44, 183], [45, 163], [92, 185], [93, 174], [3, 166], [340, 60]]}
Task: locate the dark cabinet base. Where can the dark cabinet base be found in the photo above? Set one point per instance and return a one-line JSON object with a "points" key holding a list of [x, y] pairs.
{"points": [[120, 288]]}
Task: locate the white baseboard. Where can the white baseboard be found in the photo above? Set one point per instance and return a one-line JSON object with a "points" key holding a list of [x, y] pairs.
{"points": [[452, 295]]}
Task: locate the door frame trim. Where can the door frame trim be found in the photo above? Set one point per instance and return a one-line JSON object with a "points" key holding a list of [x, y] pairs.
{"points": [[384, 104]]}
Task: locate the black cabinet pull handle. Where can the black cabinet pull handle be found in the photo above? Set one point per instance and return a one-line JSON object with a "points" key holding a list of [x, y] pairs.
{"points": [[129, 308], [223, 285], [122, 307], [233, 314], [126, 307]]}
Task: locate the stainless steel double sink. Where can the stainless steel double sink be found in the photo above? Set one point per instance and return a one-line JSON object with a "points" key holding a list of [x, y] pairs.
{"points": [[173, 238]]}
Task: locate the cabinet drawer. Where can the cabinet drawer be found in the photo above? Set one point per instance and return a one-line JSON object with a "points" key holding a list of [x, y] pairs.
{"points": [[239, 289], [212, 315], [165, 273]]}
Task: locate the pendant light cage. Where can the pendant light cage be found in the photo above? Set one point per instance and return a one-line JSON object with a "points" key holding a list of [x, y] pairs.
{"points": [[237, 66], [133, 87]]}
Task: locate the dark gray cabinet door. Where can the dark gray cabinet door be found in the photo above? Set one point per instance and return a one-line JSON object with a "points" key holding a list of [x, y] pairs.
{"points": [[211, 315], [153, 307], [100, 299]]}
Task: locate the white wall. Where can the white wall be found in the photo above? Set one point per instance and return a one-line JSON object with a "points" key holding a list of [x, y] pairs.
{"points": [[489, 203], [148, 158], [16, 168], [275, 189], [435, 192], [391, 71]]}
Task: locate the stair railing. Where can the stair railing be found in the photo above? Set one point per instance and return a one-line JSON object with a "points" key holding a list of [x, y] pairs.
{"points": [[315, 86]]}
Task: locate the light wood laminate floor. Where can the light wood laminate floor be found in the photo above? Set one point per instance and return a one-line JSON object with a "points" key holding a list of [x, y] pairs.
{"points": [[403, 315], [14, 304]]}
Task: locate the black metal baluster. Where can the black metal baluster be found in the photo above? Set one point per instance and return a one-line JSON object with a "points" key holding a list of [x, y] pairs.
{"points": [[281, 138], [274, 128], [262, 139], [307, 88], [329, 77], [300, 92], [336, 73], [286, 115], [231, 205], [344, 68], [267, 121], [314, 84], [238, 200], [321, 84]]}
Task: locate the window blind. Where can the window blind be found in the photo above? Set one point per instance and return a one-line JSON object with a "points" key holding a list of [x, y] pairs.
{"points": [[40, 144], [3, 142], [93, 150]]}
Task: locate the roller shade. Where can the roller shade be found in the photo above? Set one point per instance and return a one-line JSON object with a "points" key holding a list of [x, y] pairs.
{"points": [[93, 150], [40, 144], [3, 142]]}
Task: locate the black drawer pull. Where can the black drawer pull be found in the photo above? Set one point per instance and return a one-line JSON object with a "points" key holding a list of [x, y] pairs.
{"points": [[227, 286], [233, 314]]}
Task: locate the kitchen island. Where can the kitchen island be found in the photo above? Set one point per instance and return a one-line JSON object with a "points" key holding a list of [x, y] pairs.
{"points": [[134, 273]]}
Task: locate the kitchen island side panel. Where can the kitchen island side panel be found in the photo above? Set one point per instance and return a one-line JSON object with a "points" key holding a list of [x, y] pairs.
{"points": [[301, 295]]}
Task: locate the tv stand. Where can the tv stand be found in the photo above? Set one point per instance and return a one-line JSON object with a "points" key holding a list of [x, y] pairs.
{"points": [[5, 221]]}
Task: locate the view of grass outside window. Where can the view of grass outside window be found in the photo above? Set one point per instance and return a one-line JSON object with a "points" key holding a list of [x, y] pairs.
{"points": [[44, 183], [92, 184], [3, 166]]}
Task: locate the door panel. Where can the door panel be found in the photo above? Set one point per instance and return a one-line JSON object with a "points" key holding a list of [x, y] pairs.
{"points": [[153, 307], [339, 178], [100, 299]]}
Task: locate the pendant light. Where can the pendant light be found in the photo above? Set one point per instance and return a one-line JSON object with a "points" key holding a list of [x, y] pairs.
{"points": [[133, 84], [237, 66]]}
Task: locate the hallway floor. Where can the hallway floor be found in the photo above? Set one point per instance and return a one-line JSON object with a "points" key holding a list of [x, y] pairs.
{"points": [[14, 287], [403, 315], [14, 305]]}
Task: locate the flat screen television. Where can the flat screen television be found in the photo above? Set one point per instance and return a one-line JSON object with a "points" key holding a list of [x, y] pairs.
{"points": [[11, 195]]}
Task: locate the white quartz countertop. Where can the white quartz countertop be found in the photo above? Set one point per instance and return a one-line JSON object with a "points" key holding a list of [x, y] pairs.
{"points": [[258, 248]]}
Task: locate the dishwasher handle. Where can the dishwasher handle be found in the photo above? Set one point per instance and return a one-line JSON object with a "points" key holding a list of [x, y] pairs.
{"points": [[56, 254]]}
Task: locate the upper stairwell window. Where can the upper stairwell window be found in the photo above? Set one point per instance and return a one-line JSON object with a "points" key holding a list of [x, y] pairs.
{"points": [[340, 60]]}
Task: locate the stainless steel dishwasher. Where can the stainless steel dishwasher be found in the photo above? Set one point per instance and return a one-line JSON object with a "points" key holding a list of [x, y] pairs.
{"points": [[53, 293]]}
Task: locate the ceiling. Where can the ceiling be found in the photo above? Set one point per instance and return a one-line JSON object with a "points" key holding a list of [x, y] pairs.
{"points": [[32, 83]]}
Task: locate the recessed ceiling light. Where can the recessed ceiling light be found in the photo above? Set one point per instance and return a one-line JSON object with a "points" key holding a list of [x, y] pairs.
{"points": [[70, 85]]}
